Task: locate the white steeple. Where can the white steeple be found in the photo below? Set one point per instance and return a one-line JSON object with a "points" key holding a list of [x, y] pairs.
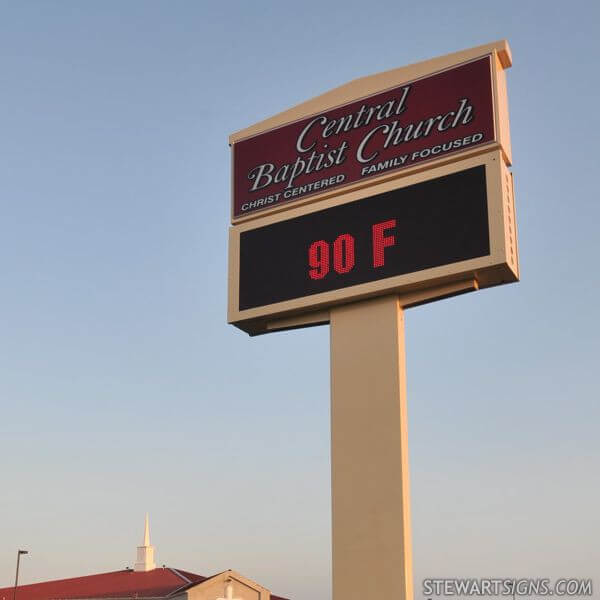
{"points": [[145, 553]]}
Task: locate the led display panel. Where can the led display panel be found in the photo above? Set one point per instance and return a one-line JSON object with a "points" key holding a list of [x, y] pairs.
{"points": [[428, 224]]}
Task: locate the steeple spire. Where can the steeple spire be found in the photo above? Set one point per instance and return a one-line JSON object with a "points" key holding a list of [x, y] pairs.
{"points": [[145, 553], [146, 532]]}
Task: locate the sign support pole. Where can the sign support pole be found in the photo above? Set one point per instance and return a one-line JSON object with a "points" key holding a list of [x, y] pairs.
{"points": [[371, 532]]}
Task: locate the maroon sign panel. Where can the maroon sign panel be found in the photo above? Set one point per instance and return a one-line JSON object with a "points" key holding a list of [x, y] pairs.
{"points": [[415, 122]]}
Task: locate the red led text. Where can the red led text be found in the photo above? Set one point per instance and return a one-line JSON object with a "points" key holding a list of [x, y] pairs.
{"points": [[341, 254], [382, 241]]}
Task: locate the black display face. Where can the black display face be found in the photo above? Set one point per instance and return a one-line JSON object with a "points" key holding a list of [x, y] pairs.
{"points": [[429, 224]]}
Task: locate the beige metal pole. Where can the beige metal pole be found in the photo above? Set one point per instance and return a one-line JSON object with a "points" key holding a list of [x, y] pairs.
{"points": [[372, 552]]}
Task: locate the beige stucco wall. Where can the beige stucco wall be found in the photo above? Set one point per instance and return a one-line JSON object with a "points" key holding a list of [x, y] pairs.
{"points": [[214, 588]]}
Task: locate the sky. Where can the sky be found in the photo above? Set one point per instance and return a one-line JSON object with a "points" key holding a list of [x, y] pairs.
{"points": [[124, 390]]}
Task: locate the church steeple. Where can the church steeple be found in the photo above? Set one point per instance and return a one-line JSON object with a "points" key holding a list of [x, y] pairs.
{"points": [[146, 532], [145, 553]]}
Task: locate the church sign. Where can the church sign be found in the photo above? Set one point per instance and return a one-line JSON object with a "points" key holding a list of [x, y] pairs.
{"points": [[383, 194], [411, 123], [395, 183]]}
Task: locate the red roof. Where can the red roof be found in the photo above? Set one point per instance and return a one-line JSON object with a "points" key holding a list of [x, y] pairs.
{"points": [[157, 583]]}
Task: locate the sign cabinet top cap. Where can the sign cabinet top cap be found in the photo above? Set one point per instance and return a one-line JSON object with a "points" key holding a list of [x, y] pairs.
{"points": [[371, 84]]}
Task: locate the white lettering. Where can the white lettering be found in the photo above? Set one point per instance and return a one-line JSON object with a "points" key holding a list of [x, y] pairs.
{"points": [[300, 140]]}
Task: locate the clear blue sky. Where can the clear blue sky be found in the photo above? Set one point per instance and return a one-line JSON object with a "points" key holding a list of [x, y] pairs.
{"points": [[122, 388]]}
